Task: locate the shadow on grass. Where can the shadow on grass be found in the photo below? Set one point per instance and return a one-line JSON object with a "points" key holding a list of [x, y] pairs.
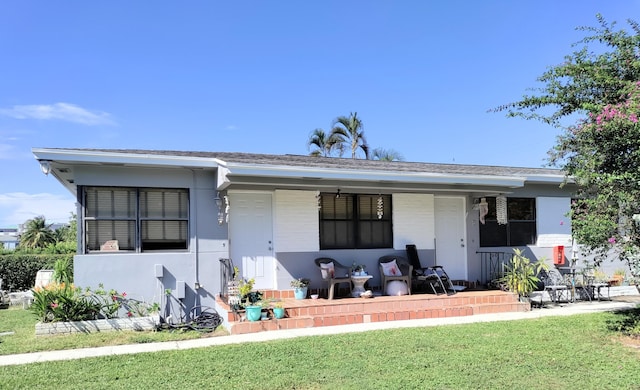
{"points": [[626, 322]]}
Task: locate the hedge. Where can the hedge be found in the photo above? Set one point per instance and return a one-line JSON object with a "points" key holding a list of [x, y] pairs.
{"points": [[18, 271]]}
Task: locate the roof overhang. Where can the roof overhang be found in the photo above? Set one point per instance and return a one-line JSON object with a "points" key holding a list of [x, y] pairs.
{"points": [[247, 175]]}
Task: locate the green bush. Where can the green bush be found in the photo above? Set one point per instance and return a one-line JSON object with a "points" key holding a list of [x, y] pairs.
{"points": [[18, 270], [65, 302]]}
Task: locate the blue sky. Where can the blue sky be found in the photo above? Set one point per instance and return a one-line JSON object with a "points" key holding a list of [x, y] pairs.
{"points": [[259, 76]]}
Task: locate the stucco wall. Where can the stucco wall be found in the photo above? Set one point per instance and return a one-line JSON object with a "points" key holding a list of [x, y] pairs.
{"points": [[135, 273]]}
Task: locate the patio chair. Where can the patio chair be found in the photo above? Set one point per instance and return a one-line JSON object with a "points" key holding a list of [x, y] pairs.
{"points": [[395, 268], [555, 285], [593, 286], [435, 277], [333, 273]]}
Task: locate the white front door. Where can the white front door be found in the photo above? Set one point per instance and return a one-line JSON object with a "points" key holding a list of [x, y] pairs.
{"points": [[451, 251], [251, 237]]}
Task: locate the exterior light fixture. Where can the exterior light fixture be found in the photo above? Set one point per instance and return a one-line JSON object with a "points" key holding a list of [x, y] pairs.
{"points": [[45, 166], [220, 209], [338, 193]]}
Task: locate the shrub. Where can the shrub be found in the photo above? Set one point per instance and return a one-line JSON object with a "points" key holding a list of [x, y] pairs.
{"points": [[18, 270], [65, 302]]}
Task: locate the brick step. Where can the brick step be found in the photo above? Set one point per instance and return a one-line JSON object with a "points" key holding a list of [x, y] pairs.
{"points": [[358, 317]]}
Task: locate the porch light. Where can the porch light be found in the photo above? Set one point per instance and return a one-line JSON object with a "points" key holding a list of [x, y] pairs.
{"points": [[45, 166], [220, 209], [338, 193]]}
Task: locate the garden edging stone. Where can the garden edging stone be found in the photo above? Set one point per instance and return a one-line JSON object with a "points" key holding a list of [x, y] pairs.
{"points": [[106, 325]]}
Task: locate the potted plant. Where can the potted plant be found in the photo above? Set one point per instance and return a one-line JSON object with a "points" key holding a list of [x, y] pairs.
{"points": [[618, 277], [278, 310], [521, 275], [300, 287]]}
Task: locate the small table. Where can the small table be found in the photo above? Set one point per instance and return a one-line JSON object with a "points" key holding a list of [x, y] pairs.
{"points": [[358, 284]]}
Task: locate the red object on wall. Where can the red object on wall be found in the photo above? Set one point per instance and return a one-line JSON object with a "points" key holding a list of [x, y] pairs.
{"points": [[558, 254]]}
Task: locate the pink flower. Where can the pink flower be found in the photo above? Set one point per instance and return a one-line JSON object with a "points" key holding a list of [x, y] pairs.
{"points": [[129, 314], [54, 305], [612, 240], [124, 294]]}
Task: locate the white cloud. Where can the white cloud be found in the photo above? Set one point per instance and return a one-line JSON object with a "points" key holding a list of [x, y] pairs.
{"points": [[60, 111], [17, 207]]}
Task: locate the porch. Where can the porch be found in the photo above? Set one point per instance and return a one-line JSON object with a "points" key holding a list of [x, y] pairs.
{"points": [[310, 313]]}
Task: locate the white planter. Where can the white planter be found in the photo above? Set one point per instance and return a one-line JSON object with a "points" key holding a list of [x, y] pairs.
{"points": [[133, 323]]}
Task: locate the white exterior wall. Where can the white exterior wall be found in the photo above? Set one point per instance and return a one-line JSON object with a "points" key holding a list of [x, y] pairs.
{"points": [[296, 226], [553, 224], [413, 220]]}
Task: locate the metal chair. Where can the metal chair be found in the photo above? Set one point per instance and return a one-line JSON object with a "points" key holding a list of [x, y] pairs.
{"points": [[555, 285], [435, 277], [335, 274]]}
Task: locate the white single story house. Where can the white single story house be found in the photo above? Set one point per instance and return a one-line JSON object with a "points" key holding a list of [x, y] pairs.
{"points": [[152, 222]]}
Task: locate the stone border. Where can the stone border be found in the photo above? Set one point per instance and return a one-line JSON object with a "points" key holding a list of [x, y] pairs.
{"points": [[110, 325]]}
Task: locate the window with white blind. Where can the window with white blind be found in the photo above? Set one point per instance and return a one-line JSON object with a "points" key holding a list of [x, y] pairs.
{"points": [[135, 219], [350, 221]]}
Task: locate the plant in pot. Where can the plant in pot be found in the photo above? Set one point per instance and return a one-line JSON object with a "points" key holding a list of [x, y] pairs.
{"points": [[300, 287], [250, 299], [278, 310], [521, 275], [618, 277]]}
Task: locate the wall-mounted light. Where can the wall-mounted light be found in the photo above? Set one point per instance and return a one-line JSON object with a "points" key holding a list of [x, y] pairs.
{"points": [[45, 166], [338, 193], [220, 209]]}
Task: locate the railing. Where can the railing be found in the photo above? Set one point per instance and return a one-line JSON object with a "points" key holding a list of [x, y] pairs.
{"points": [[226, 276], [492, 265]]}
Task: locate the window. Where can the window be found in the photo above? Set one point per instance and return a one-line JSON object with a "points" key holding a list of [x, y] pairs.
{"points": [[350, 221], [520, 228], [138, 219]]}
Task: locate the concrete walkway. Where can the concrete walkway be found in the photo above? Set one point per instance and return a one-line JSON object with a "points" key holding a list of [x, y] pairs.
{"points": [[562, 310]]}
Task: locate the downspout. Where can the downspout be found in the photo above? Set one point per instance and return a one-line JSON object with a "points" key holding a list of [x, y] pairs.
{"points": [[196, 246]]}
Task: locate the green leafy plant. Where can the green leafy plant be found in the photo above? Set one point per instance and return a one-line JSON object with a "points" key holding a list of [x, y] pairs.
{"points": [[521, 275], [300, 282], [65, 302], [62, 302], [62, 271]]}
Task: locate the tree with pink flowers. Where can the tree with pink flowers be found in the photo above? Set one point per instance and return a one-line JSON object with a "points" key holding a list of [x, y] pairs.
{"points": [[599, 84]]}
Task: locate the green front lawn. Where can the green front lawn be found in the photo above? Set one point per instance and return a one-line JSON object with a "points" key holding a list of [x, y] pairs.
{"points": [[549, 353], [24, 340]]}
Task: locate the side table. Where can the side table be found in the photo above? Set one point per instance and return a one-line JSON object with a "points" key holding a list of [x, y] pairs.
{"points": [[358, 284]]}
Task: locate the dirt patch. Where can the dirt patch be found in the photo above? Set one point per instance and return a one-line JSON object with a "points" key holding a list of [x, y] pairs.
{"points": [[627, 298]]}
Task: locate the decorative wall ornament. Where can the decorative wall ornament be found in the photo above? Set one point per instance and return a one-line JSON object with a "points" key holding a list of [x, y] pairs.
{"points": [[483, 207], [501, 210], [319, 200], [227, 208], [380, 208]]}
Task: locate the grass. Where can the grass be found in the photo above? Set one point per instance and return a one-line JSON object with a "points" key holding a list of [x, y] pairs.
{"points": [[581, 351], [24, 340]]}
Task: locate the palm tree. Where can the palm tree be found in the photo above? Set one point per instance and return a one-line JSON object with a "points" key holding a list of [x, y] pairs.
{"points": [[324, 144], [348, 130], [37, 234], [386, 155]]}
